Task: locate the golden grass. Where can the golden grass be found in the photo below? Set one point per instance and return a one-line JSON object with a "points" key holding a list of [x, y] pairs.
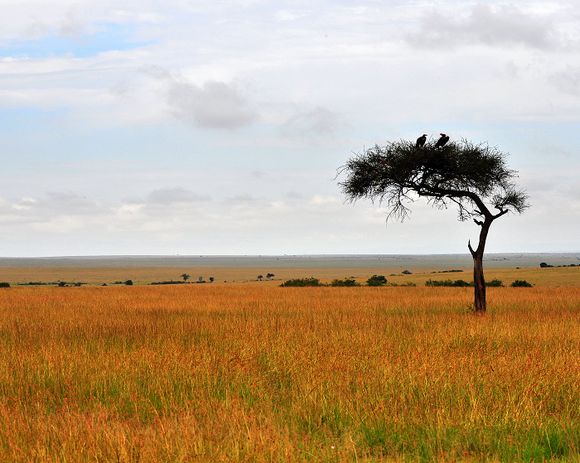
{"points": [[249, 372]]}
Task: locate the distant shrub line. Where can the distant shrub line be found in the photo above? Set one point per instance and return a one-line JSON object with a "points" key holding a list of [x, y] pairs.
{"points": [[375, 280], [545, 265], [301, 282], [178, 282], [169, 282], [466, 284], [380, 280], [60, 284], [462, 283]]}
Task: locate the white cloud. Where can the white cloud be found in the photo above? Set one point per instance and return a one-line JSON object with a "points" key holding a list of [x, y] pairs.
{"points": [[215, 105], [175, 195], [493, 25], [319, 122], [567, 80]]}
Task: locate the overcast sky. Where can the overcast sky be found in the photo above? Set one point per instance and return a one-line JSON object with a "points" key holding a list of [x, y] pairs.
{"points": [[197, 127]]}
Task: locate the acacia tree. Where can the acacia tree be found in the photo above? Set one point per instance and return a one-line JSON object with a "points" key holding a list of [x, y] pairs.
{"points": [[472, 177]]}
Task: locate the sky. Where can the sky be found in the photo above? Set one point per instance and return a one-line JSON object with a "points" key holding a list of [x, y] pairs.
{"points": [[195, 127]]}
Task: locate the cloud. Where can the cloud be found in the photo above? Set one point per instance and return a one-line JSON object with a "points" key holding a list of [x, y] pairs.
{"points": [[54, 204], [58, 212], [318, 122], [214, 105], [487, 25], [288, 15], [567, 81], [167, 196]]}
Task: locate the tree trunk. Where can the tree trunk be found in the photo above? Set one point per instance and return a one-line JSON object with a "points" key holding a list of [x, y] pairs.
{"points": [[479, 302], [479, 284]]}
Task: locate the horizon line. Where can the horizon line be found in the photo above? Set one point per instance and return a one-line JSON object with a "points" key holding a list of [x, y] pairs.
{"points": [[138, 256]]}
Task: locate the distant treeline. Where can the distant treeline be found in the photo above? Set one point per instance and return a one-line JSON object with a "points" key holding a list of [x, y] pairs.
{"points": [[380, 280], [546, 265], [375, 280]]}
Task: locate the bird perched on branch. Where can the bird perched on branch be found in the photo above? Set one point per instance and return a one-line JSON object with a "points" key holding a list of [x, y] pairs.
{"points": [[442, 141], [421, 140]]}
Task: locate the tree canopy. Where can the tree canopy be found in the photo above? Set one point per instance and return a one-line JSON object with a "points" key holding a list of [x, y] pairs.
{"points": [[461, 173]]}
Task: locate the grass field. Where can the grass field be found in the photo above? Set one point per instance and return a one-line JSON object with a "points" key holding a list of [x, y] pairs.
{"points": [[254, 372]]}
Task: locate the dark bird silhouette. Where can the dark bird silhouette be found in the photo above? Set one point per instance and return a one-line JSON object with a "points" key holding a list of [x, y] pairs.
{"points": [[442, 141], [421, 140]]}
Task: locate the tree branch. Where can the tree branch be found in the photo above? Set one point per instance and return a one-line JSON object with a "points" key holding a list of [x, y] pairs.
{"points": [[501, 212], [470, 248], [440, 192]]}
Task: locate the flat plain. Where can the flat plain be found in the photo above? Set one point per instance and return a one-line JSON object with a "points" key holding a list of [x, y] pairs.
{"points": [[250, 371]]}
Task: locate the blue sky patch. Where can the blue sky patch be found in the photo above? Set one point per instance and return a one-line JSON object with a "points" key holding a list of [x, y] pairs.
{"points": [[107, 37]]}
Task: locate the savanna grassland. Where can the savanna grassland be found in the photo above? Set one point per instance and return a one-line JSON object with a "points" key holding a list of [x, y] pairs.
{"points": [[255, 372]]}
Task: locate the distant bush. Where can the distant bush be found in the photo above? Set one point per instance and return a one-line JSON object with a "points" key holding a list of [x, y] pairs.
{"points": [[377, 280], [462, 283], [4, 284], [61, 284], [521, 284], [302, 282], [545, 265], [408, 283], [344, 282], [129, 283], [169, 282], [455, 284], [448, 271], [407, 272]]}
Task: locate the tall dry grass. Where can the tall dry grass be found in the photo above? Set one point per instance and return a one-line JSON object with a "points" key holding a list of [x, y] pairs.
{"points": [[261, 373]]}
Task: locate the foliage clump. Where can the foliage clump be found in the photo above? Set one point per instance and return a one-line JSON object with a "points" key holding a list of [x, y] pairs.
{"points": [[377, 280], [521, 284], [453, 283], [462, 283], [345, 282], [4, 284], [300, 282], [168, 282]]}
